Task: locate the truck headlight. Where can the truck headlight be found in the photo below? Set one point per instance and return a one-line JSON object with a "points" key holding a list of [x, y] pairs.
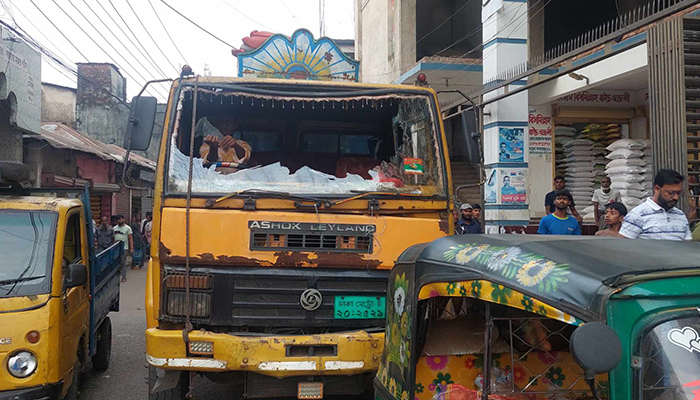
{"points": [[21, 364], [200, 304]]}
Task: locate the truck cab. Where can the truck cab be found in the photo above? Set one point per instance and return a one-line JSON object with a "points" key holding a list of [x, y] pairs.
{"points": [[55, 294]]}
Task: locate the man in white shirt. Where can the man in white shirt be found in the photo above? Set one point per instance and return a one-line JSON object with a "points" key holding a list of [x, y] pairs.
{"points": [[658, 218], [601, 198]]}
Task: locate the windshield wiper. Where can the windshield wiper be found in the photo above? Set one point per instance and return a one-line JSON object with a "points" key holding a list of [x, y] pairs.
{"points": [[267, 193], [368, 194], [18, 280]]}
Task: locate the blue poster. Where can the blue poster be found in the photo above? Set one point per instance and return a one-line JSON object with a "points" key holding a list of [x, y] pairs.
{"points": [[510, 142]]}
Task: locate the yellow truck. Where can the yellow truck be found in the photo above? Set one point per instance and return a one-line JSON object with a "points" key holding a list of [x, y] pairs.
{"points": [[55, 296], [280, 207]]}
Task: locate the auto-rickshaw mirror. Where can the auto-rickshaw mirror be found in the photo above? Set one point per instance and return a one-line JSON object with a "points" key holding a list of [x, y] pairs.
{"points": [[596, 348]]}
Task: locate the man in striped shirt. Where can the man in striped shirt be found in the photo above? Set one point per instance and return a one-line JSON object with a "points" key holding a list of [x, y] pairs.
{"points": [[658, 218]]}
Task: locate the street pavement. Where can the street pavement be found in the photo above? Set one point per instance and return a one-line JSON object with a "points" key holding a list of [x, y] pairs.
{"points": [[127, 376]]}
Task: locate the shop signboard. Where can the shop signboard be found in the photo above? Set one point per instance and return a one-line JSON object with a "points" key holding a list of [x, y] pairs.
{"points": [[539, 134], [598, 98], [511, 146], [513, 185]]}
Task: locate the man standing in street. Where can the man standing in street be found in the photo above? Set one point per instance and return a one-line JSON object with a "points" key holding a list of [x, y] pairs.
{"points": [[476, 213], [559, 184], [146, 227], [104, 235], [614, 215], [466, 223], [123, 233], [560, 222], [658, 218], [601, 198]]}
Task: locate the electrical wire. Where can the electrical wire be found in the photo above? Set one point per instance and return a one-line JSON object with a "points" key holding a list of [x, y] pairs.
{"points": [[433, 31], [65, 57], [107, 41], [290, 12], [108, 78], [177, 71], [27, 38], [167, 33], [55, 103], [154, 76], [139, 46], [195, 24], [246, 16]]}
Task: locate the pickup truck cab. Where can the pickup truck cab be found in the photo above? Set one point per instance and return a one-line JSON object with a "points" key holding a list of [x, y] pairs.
{"points": [[55, 294]]}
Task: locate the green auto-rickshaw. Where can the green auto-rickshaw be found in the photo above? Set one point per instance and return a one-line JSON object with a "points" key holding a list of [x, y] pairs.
{"points": [[543, 317]]}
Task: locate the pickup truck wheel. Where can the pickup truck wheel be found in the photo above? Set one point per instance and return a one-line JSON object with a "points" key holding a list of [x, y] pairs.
{"points": [[179, 392], [100, 361]]}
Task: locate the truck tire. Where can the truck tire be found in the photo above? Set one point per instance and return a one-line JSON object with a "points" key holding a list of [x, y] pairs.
{"points": [[100, 361], [179, 392]]}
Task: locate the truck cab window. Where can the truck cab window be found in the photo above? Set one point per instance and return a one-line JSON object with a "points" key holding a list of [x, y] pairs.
{"points": [[299, 145], [71, 244]]}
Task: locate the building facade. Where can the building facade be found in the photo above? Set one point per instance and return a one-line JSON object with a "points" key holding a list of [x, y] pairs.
{"points": [[556, 84], [20, 104]]}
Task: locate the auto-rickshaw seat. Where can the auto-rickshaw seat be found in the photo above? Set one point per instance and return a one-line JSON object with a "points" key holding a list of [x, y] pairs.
{"points": [[460, 335]]}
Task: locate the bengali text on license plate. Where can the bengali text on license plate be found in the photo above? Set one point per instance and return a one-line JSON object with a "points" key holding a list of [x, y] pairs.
{"points": [[359, 307]]}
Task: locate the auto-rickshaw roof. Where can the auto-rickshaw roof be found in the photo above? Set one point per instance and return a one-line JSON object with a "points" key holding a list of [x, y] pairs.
{"points": [[577, 274]]}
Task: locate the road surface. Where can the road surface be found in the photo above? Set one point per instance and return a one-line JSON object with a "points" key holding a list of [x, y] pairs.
{"points": [[127, 376]]}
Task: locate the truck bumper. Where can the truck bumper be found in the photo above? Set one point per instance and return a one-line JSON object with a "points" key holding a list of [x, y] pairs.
{"points": [[44, 392], [355, 353]]}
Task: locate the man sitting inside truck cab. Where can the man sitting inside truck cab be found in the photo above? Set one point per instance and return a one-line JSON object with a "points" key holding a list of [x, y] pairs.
{"points": [[220, 146]]}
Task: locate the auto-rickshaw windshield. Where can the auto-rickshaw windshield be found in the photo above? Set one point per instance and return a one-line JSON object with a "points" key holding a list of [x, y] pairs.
{"points": [[26, 245], [306, 145], [671, 360]]}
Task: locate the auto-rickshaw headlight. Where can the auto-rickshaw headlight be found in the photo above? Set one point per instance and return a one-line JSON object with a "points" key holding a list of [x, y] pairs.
{"points": [[21, 364]]}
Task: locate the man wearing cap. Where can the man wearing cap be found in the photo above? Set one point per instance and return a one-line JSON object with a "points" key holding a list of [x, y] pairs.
{"points": [[466, 223]]}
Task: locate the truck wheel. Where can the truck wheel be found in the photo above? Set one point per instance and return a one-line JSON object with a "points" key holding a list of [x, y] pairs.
{"points": [[100, 361], [179, 392]]}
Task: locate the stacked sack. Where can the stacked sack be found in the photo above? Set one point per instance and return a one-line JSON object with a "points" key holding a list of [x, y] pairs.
{"points": [[563, 134], [579, 170], [628, 171]]}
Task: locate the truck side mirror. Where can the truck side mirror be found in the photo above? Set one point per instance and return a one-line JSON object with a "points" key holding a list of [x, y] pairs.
{"points": [[470, 133], [596, 348], [139, 129], [76, 275]]}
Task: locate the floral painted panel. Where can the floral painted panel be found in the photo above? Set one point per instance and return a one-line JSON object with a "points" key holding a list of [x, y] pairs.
{"points": [[394, 369], [523, 268], [495, 293], [545, 372]]}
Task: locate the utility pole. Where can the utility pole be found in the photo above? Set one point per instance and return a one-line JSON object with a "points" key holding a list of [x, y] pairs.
{"points": [[322, 17]]}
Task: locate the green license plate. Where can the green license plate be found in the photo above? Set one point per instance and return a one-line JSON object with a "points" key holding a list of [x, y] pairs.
{"points": [[359, 307]]}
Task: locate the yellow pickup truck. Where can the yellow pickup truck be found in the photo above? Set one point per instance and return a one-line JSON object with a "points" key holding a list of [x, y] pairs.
{"points": [[55, 294]]}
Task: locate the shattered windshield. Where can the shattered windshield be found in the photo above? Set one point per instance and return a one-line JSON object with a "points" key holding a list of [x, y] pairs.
{"points": [[26, 245], [303, 145]]}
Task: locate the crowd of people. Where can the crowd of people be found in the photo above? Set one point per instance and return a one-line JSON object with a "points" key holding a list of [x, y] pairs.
{"points": [[657, 218], [135, 237]]}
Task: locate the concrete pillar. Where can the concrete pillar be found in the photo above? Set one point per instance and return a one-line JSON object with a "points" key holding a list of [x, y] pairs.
{"points": [[505, 28]]}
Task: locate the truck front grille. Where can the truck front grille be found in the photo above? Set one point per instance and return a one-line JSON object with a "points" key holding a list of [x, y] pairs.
{"points": [[267, 297]]}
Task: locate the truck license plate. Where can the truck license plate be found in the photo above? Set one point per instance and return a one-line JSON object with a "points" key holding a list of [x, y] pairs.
{"points": [[359, 307]]}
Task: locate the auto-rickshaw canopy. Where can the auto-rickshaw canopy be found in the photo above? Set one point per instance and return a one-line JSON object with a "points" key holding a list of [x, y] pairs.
{"points": [[574, 274], [545, 281]]}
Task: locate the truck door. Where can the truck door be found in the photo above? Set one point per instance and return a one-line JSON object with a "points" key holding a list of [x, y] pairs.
{"points": [[75, 300]]}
